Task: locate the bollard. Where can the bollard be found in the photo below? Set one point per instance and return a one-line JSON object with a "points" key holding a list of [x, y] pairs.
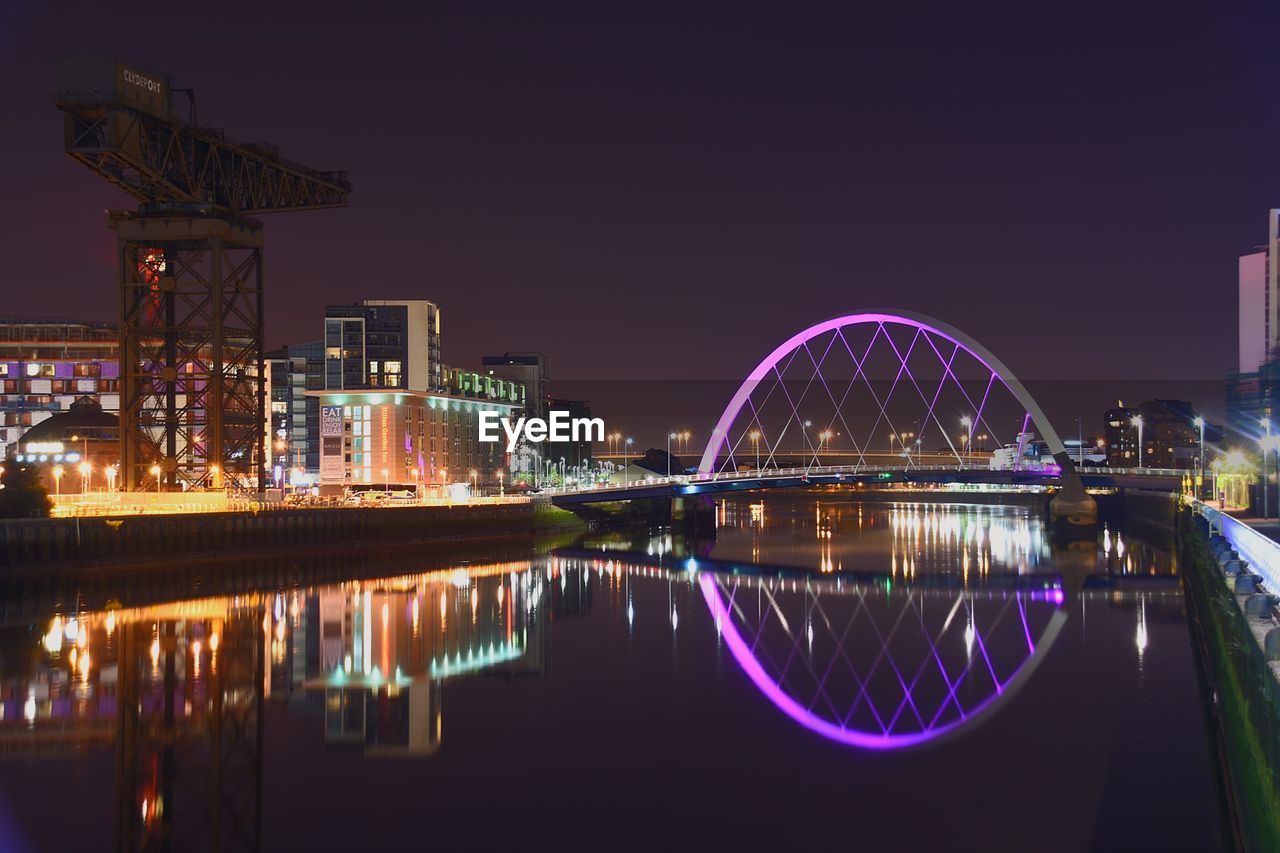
{"points": [[1246, 584], [1260, 605]]}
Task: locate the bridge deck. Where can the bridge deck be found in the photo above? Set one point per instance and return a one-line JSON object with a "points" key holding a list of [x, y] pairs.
{"points": [[1144, 479]]}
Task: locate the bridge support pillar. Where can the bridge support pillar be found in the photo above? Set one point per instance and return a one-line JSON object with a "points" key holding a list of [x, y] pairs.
{"points": [[1072, 504], [695, 515]]}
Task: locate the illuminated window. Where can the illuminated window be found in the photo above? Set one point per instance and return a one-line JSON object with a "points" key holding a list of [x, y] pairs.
{"points": [[373, 367], [390, 366], [33, 369]]}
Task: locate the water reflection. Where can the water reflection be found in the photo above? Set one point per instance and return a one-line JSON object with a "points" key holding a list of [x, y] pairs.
{"points": [[973, 598], [875, 626]]}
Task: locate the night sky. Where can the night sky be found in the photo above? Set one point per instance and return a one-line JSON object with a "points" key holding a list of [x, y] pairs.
{"points": [[1070, 184]]}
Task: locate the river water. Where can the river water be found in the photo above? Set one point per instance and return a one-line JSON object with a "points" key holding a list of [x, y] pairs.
{"points": [[873, 675]]}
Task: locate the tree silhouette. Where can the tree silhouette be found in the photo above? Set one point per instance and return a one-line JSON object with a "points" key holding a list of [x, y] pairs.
{"points": [[22, 495]]}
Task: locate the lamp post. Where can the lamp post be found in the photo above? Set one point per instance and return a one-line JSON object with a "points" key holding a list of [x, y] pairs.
{"points": [[626, 477], [1266, 444], [824, 437], [215, 476], [966, 441], [501, 484], [755, 443], [905, 448], [670, 436], [155, 472], [1136, 421], [386, 480], [474, 482], [111, 478], [1198, 423], [57, 479], [85, 470]]}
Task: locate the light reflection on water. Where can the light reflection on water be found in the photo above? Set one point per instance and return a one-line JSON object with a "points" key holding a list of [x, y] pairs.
{"points": [[872, 625]]}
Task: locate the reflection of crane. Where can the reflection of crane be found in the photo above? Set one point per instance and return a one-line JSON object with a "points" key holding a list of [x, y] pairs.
{"points": [[190, 269], [189, 759]]}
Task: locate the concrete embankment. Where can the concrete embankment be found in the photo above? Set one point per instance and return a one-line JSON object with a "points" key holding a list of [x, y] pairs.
{"points": [[33, 543], [1232, 615]]}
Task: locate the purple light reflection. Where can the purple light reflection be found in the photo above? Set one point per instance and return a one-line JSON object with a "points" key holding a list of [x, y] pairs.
{"points": [[745, 658]]}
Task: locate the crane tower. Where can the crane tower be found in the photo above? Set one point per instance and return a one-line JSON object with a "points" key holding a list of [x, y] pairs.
{"points": [[192, 394]]}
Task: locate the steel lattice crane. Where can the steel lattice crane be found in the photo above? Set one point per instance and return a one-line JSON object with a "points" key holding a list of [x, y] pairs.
{"points": [[192, 390]]}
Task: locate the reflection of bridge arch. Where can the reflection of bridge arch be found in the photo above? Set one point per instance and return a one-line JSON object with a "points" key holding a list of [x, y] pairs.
{"points": [[772, 686], [943, 341]]}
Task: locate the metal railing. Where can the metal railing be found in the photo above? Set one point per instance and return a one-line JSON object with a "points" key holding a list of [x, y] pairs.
{"points": [[1261, 552], [829, 470]]}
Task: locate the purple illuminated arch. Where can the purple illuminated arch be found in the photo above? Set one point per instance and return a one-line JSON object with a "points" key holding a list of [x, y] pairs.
{"points": [[884, 318], [774, 692]]}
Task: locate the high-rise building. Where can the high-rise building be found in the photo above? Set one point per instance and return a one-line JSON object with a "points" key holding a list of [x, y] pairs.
{"points": [[381, 343], [47, 363], [1121, 436], [527, 368], [1252, 388], [1169, 435], [293, 418], [530, 370]]}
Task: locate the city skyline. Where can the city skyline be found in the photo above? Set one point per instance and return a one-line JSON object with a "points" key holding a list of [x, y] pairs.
{"points": [[840, 407]]}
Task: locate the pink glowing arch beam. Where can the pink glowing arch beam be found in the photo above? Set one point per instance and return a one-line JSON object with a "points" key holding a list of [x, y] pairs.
{"points": [[885, 317]]}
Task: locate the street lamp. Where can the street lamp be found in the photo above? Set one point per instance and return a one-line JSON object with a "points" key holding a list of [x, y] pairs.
{"points": [[1136, 421], [155, 472], [1198, 423], [670, 436], [85, 470], [386, 480], [626, 477], [111, 478], [966, 443], [501, 487], [215, 475], [824, 437], [755, 442], [473, 481], [57, 479], [1266, 443]]}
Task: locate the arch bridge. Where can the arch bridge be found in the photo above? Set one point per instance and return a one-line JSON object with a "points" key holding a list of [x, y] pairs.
{"points": [[877, 379]]}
